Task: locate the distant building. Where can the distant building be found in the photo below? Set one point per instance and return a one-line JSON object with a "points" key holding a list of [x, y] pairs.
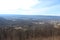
{"points": [[38, 22], [57, 25], [18, 28]]}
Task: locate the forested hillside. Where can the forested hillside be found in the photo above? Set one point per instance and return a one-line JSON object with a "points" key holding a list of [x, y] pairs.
{"points": [[29, 29]]}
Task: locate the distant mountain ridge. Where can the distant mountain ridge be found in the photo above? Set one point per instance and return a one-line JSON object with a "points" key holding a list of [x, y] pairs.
{"points": [[31, 17]]}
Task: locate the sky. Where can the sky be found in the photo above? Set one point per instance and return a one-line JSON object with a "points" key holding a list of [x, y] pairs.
{"points": [[30, 7]]}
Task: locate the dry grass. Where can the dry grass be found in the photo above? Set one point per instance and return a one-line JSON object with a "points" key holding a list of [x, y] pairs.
{"points": [[46, 38]]}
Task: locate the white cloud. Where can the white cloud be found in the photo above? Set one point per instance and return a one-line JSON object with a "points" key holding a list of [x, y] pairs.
{"points": [[28, 7], [10, 5], [32, 11]]}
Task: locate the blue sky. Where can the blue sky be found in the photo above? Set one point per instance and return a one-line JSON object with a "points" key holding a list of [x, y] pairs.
{"points": [[30, 7]]}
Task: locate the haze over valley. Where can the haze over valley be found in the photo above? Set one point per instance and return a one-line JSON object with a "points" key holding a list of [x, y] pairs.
{"points": [[29, 27]]}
